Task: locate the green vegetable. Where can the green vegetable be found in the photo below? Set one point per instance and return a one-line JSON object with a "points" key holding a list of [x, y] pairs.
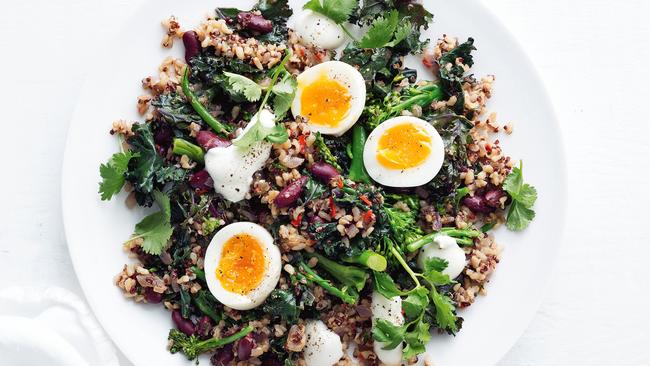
{"points": [[186, 301], [337, 10], [462, 236], [282, 304], [183, 147], [276, 134], [208, 305], [370, 62], [523, 197], [325, 152], [148, 170], [385, 32], [451, 73], [192, 346], [283, 94], [174, 109], [357, 170], [112, 174], [155, 229], [247, 87], [385, 285], [217, 126], [200, 274], [307, 274], [396, 102], [210, 224], [347, 275], [370, 259], [313, 190]]}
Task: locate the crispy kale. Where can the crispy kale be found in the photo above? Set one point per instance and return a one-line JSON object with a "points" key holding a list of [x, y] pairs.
{"points": [[452, 73], [378, 111], [281, 304], [193, 346]]}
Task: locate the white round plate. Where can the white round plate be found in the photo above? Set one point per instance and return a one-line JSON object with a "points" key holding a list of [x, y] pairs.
{"points": [[95, 230]]}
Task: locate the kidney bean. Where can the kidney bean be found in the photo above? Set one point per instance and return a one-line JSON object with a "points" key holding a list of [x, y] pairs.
{"points": [[223, 357], [201, 181], [208, 140], [245, 347], [493, 197], [290, 193], [192, 45], [184, 325], [477, 204], [152, 296], [254, 22], [324, 172]]}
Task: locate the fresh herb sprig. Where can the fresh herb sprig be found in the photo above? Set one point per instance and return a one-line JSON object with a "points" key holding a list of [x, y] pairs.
{"points": [[112, 174], [155, 229], [523, 197]]}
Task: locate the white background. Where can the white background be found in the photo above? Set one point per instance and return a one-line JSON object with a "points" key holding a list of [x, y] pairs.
{"points": [[593, 56]]}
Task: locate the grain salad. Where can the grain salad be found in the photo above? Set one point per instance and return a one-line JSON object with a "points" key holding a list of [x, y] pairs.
{"points": [[316, 200]]}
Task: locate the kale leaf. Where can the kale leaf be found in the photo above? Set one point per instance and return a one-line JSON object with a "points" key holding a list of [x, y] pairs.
{"points": [[174, 109], [282, 304], [452, 73], [148, 170]]}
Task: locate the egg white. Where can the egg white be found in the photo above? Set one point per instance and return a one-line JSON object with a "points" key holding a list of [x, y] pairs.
{"points": [[410, 177], [317, 30], [350, 78], [323, 347], [272, 266]]}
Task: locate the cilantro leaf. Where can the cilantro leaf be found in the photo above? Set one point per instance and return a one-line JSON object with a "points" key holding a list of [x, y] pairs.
{"points": [[258, 132], [400, 34], [415, 303], [112, 174], [523, 197], [437, 278], [386, 332], [337, 10], [445, 311], [519, 216], [385, 285], [284, 93], [416, 340], [155, 229], [380, 32], [241, 84], [435, 264]]}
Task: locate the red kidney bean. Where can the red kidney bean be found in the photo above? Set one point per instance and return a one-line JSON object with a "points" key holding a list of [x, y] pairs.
{"points": [[324, 172], [152, 296], [208, 140], [254, 22], [493, 197], [192, 45], [201, 181], [290, 193], [477, 204], [184, 325], [245, 347], [223, 357]]}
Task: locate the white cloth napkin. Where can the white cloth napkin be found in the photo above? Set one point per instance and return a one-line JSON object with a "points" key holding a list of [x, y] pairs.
{"points": [[50, 326]]}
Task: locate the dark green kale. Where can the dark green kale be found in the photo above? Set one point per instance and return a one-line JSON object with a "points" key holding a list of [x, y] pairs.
{"points": [[454, 130], [148, 170], [174, 109], [379, 110], [452, 73], [371, 62], [276, 11], [281, 304]]}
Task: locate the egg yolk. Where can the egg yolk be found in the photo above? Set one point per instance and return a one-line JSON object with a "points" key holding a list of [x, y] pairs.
{"points": [[403, 146], [242, 264], [325, 101]]}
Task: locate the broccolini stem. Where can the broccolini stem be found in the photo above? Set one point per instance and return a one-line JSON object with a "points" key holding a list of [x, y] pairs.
{"points": [[198, 272], [347, 275], [194, 152], [214, 343], [405, 265], [370, 259], [462, 236], [217, 126], [311, 276], [357, 170], [204, 303]]}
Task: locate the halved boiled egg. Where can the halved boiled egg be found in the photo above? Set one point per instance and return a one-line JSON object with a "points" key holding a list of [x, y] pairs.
{"points": [[403, 152], [317, 30], [331, 95], [242, 265]]}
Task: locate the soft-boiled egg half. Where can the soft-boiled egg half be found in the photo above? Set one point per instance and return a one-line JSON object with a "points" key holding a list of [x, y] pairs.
{"points": [[242, 265], [331, 95], [317, 30], [403, 152]]}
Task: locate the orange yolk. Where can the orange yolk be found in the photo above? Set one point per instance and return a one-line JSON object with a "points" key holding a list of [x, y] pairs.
{"points": [[325, 101], [403, 146], [242, 264]]}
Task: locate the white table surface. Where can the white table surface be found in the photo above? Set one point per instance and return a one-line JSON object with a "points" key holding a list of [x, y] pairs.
{"points": [[593, 56]]}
